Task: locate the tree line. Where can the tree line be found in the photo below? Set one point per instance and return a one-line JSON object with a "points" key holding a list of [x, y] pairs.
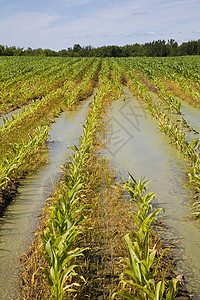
{"points": [[159, 48]]}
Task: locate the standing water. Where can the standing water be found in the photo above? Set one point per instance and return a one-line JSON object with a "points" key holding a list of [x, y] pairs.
{"points": [[138, 147], [20, 220], [191, 114]]}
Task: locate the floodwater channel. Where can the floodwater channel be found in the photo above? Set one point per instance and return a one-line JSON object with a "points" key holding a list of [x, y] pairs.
{"points": [[192, 115], [137, 146], [19, 222]]}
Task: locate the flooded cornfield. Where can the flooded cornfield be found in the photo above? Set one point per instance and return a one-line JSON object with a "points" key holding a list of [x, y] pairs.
{"points": [[19, 222], [138, 147], [91, 132]]}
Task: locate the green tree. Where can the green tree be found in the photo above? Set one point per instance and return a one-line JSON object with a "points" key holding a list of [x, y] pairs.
{"points": [[76, 48]]}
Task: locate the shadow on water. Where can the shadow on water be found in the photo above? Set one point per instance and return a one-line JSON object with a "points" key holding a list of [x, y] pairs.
{"points": [[135, 145], [21, 217]]}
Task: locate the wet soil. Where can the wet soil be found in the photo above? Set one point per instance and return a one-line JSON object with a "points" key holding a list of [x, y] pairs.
{"points": [[149, 84]]}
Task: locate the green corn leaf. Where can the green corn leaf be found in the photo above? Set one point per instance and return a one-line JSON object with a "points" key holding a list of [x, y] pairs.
{"points": [[173, 289], [124, 295]]}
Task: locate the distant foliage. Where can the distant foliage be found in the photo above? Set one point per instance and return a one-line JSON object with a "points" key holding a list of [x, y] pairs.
{"points": [[159, 48]]}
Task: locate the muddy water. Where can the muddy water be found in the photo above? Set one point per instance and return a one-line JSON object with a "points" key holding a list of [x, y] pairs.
{"points": [[192, 115], [20, 220], [138, 147]]}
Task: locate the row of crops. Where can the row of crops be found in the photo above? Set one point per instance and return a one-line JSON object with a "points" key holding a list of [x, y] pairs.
{"points": [[23, 136], [147, 80], [64, 255]]}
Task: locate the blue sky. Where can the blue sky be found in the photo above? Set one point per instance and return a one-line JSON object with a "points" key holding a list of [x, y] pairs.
{"points": [[60, 24]]}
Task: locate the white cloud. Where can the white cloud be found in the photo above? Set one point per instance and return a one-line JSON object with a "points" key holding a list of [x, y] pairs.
{"points": [[112, 22], [26, 28], [28, 21], [76, 2], [179, 3]]}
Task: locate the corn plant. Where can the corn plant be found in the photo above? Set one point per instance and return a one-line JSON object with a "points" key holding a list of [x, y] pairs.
{"points": [[21, 153], [65, 223], [177, 131], [86, 85], [142, 264]]}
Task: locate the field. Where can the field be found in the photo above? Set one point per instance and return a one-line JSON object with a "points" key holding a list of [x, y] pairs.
{"points": [[98, 233]]}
